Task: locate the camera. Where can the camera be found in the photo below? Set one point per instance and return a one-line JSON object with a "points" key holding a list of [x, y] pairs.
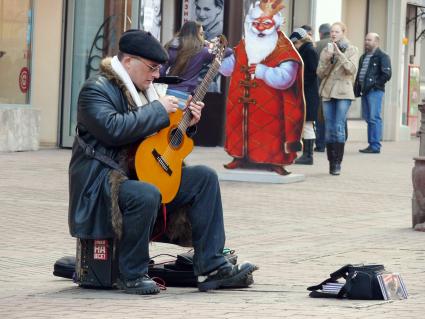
{"points": [[342, 45]]}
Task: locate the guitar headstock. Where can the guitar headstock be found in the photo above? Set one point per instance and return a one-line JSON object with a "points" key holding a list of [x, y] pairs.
{"points": [[217, 46]]}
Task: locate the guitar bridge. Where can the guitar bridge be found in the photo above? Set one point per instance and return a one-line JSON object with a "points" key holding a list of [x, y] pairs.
{"points": [[162, 162]]}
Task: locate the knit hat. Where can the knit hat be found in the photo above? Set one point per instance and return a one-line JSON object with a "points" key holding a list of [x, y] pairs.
{"points": [[143, 44], [298, 34]]}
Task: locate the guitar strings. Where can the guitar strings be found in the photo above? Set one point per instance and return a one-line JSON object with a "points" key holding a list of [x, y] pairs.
{"points": [[199, 95], [187, 117], [184, 124]]}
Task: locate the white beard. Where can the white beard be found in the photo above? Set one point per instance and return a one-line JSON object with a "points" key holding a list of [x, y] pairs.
{"points": [[258, 48]]}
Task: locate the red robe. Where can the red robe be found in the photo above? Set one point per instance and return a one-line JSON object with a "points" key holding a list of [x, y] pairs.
{"points": [[263, 124]]}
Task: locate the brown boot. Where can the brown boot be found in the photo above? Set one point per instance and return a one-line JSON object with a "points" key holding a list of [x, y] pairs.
{"points": [[235, 163]]}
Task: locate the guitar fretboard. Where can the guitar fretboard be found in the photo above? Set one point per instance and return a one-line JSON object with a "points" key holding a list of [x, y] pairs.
{"points": [[200, 92]]}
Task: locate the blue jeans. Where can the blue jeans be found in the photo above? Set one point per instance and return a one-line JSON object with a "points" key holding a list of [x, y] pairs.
{"points": [[371, 112], [140, 202], [335, 113]]}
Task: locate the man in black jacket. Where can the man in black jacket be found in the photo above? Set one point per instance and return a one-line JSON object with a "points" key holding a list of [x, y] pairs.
{"points": [[374, 72], [117, 109]]}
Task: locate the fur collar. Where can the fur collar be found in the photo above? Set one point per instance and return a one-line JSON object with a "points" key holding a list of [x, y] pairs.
{"points": [[107, 71]]}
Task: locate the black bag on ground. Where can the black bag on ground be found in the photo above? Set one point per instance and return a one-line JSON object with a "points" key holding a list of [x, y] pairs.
{"points": [[361, 282], [180, 273], [65, 267], [177, 273]]}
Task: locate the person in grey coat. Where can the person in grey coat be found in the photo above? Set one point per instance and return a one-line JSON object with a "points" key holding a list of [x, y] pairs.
{"points": [[117, 109]]}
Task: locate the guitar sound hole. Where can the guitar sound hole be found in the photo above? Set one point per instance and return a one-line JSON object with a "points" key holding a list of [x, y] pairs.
{"points": [[176, 137]]}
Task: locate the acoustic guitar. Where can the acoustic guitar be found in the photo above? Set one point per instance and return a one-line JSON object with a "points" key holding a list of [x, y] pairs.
{"points": [[159, 158]]}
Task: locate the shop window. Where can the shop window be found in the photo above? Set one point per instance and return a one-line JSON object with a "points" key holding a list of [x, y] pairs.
{"points": [[15, 51]]}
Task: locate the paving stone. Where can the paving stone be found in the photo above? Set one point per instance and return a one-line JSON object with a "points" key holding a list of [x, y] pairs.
{"points": [[297, 233]]}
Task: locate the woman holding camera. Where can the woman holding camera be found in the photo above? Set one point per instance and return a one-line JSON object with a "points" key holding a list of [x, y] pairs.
{"points": [[337, 70]]}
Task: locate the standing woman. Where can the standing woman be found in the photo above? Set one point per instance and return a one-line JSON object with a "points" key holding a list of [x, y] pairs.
{"points": [[188, 53], [303, 43], [337, 71]]}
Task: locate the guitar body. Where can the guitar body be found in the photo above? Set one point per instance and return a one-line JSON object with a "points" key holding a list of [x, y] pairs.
{"points": [[159, 158]]}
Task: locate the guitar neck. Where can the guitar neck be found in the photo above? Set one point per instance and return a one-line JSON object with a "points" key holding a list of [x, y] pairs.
{"points": [[200, 92]]}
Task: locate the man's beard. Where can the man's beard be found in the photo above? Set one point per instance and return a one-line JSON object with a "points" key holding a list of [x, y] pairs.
{"points": [[258, 48]]}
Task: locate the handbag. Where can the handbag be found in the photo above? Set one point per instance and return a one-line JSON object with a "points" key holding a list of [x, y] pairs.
{"points": [[361, 282]]}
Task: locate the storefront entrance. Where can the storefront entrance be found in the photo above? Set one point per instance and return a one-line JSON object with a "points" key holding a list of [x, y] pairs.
{"points": [[92, 32]]}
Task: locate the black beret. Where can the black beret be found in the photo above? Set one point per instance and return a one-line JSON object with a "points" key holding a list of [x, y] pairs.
{"points": [[143, 44]]}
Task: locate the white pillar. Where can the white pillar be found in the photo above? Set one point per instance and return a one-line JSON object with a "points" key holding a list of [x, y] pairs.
{"points": [[394, 90]]}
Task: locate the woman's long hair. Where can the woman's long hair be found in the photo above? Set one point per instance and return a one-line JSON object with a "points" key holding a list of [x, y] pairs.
{"points": [[190, 43]]}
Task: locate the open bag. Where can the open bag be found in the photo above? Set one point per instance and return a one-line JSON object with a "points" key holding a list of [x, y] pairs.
{"points": [[361, 282]]}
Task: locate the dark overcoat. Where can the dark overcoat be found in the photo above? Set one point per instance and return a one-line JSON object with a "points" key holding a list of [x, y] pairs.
{"points": [[108, 122], [311, 87]]}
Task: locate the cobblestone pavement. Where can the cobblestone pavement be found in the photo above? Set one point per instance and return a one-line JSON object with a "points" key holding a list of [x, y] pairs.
{"points": [[297, 233]]}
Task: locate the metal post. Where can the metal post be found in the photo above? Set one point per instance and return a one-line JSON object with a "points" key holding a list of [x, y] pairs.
{"points": [[418, 178], [421, 131]]}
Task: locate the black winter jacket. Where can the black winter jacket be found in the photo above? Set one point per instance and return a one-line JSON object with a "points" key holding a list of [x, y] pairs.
{"points": [[311, 87], [377, 74], [106, 122]]}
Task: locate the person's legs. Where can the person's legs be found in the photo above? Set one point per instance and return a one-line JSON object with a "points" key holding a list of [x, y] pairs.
{"points": [[329, 113], [366, 115], [341, 111], [320, 130], [200, 189], [139, 203], [375, 121], [342, 107], [308, 140]]}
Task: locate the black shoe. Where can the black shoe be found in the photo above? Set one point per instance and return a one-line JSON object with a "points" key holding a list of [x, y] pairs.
{"points": [[307, 157], [304, 160], [236, 276], [140, 286], [369, 150], [335, 169]]}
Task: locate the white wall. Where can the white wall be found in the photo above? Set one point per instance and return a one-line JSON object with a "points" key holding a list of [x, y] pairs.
{"points": [[46, 67], [326, 11]]}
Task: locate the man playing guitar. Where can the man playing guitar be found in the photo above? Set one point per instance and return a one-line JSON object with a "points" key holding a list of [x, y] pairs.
{"points": [[116, 109]]}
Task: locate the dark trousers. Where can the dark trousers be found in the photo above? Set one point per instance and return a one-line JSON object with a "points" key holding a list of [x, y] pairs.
{"points": [[319, 126], [140, 202], [320, 134]]}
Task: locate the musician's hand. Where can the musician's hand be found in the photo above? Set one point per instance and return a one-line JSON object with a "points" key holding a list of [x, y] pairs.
{"points": [[196, 110], [170, 103]]}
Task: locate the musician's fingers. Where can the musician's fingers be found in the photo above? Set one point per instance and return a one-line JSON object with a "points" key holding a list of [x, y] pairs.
{"points": [[201, 104], [195, 108], [197, 105], [196, 112]]}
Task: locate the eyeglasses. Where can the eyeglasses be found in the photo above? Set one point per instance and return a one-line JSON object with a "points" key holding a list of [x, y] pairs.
{"points": [[151, 68]]}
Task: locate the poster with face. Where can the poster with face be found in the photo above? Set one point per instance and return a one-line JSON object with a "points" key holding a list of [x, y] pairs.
{"points": [[151, 17], [208, 12]]}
